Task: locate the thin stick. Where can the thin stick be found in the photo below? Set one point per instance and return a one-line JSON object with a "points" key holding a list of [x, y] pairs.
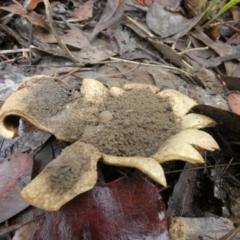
{"points": [[193, 49], [138, 25], [197, 168], [50, 22], [231, 234], [15, 51], [146, 64]]}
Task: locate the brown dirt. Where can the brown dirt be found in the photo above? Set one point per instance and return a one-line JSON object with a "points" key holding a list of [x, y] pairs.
{"points": [[141, 122]]}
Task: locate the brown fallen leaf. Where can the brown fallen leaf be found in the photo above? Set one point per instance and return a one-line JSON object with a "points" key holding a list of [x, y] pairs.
{"points": [[172, 24], [232, 82], [31, 4], [123, 209], [15, 174], [167, 52], [206, 228], [220, 48], [84, 11], [111, 14], [33, 17], [61, 44], [71, 37], [234, 102], [194, 7]]}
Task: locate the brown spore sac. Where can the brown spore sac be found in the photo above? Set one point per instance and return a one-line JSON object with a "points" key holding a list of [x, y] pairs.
{"points": [[141, 122]]}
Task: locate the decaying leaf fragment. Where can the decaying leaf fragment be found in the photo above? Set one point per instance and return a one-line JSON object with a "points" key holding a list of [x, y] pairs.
{"points": [[47, 103], [70, 174]]}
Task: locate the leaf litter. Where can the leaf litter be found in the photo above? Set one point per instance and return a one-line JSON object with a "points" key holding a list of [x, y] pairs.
{"points": [[127, 41]]}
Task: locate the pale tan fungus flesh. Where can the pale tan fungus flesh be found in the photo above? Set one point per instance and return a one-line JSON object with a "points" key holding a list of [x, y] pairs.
{"points": [[180, 146], [47, 108], [131, 86], [93, 91], [181, 104], [71, 173], [149, 166], [195, 120], [71, 115]]}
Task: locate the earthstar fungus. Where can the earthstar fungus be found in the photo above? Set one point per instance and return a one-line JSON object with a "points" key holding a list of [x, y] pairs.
{"points": [[129, 117]]}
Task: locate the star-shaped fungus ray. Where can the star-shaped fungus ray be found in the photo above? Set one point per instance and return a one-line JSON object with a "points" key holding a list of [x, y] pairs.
{"points": [[71, 173], [149, 166], [135, 126], [185, 144]]}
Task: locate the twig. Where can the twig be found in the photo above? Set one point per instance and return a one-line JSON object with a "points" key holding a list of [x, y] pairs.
{"points": [[193, 49], [15, 51], [138, 25], [71, 72], [147, 64], [231, 234], [196, 168], [18, 3], [59, 40]]}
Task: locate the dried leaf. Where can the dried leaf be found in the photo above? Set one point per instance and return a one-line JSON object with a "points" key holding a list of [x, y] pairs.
{"points": [[84, 11], [194, 7], [232, 82], [64, 48], [15, 173], [234, 102], [33, 17], [167, 52], [32, 4], [95, 54], [71, 37], [206, 228], [221, 48], [112, 13], [25, 232], [171, 23], [124, 209]]}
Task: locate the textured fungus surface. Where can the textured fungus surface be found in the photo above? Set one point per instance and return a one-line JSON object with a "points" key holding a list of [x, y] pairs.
{"points": [[70, 174], [130, 122], [135, 126], [141, 122]]}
